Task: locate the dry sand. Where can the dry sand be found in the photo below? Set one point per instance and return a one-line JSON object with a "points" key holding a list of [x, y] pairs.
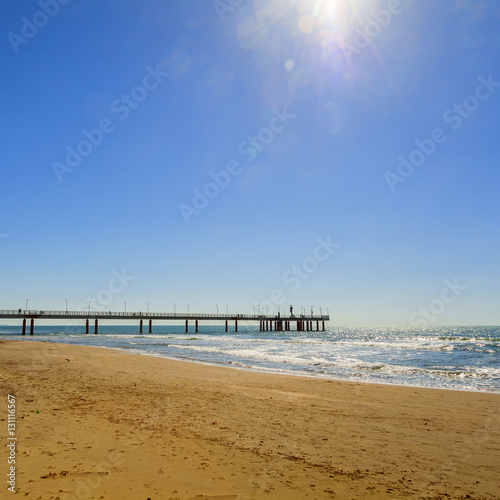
{"points": [[101, 424]]}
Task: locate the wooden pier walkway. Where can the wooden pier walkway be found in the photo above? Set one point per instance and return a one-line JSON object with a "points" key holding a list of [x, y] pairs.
{"points": [[280, 323]]}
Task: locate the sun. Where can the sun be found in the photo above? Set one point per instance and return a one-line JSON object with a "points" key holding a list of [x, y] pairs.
{"points": [[330, 14]]}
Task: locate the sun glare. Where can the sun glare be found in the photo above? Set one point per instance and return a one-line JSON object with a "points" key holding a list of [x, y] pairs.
{"points": [[333, 13], [304, 46]]}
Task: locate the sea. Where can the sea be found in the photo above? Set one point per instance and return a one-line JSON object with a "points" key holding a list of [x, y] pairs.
{"points": [[457, 358]]}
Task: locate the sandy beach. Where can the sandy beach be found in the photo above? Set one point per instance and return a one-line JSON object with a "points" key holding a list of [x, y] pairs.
{"points": [[94, 423]]}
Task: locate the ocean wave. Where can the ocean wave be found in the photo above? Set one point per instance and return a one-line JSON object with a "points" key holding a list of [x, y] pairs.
{"points": [[451, 372]]}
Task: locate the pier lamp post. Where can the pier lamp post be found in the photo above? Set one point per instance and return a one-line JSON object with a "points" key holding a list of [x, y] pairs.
{"points": [[174, 308], [66, 306], [148, 307], [254, 310], [89, 306], [188, 308], [26, 305], [312, 314], [216, 305], [321, 312]]}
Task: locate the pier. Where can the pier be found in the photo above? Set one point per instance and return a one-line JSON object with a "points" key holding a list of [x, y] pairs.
{"points": [[279, 323]]}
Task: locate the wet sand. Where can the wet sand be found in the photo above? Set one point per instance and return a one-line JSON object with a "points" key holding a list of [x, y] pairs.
{"points": [[93, 423]]}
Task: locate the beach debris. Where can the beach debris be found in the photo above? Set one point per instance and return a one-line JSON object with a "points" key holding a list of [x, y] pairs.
{"points": [[50, 474]]}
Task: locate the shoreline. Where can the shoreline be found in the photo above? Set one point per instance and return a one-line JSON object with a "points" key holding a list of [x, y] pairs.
{"points": [[96, 423], [269, 371]]}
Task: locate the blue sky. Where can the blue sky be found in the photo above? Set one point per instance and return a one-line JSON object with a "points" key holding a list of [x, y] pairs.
{"points": [[301, 110]]}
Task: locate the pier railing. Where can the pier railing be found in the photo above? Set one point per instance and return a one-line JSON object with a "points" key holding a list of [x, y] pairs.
{"points": [[23, 313]]}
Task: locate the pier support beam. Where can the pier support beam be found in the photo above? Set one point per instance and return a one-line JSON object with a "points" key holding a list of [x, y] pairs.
{"points": [[150, 326], [226, 325], [96, 326], [24, 326], [32, 326], [236, 325], [317, 326], [140, 327], [186, 326], [323, 326], [87, 326], [196, 326]]}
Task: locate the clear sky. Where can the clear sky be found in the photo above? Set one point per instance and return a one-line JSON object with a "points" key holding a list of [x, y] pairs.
{"points": [[327, 153]]}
